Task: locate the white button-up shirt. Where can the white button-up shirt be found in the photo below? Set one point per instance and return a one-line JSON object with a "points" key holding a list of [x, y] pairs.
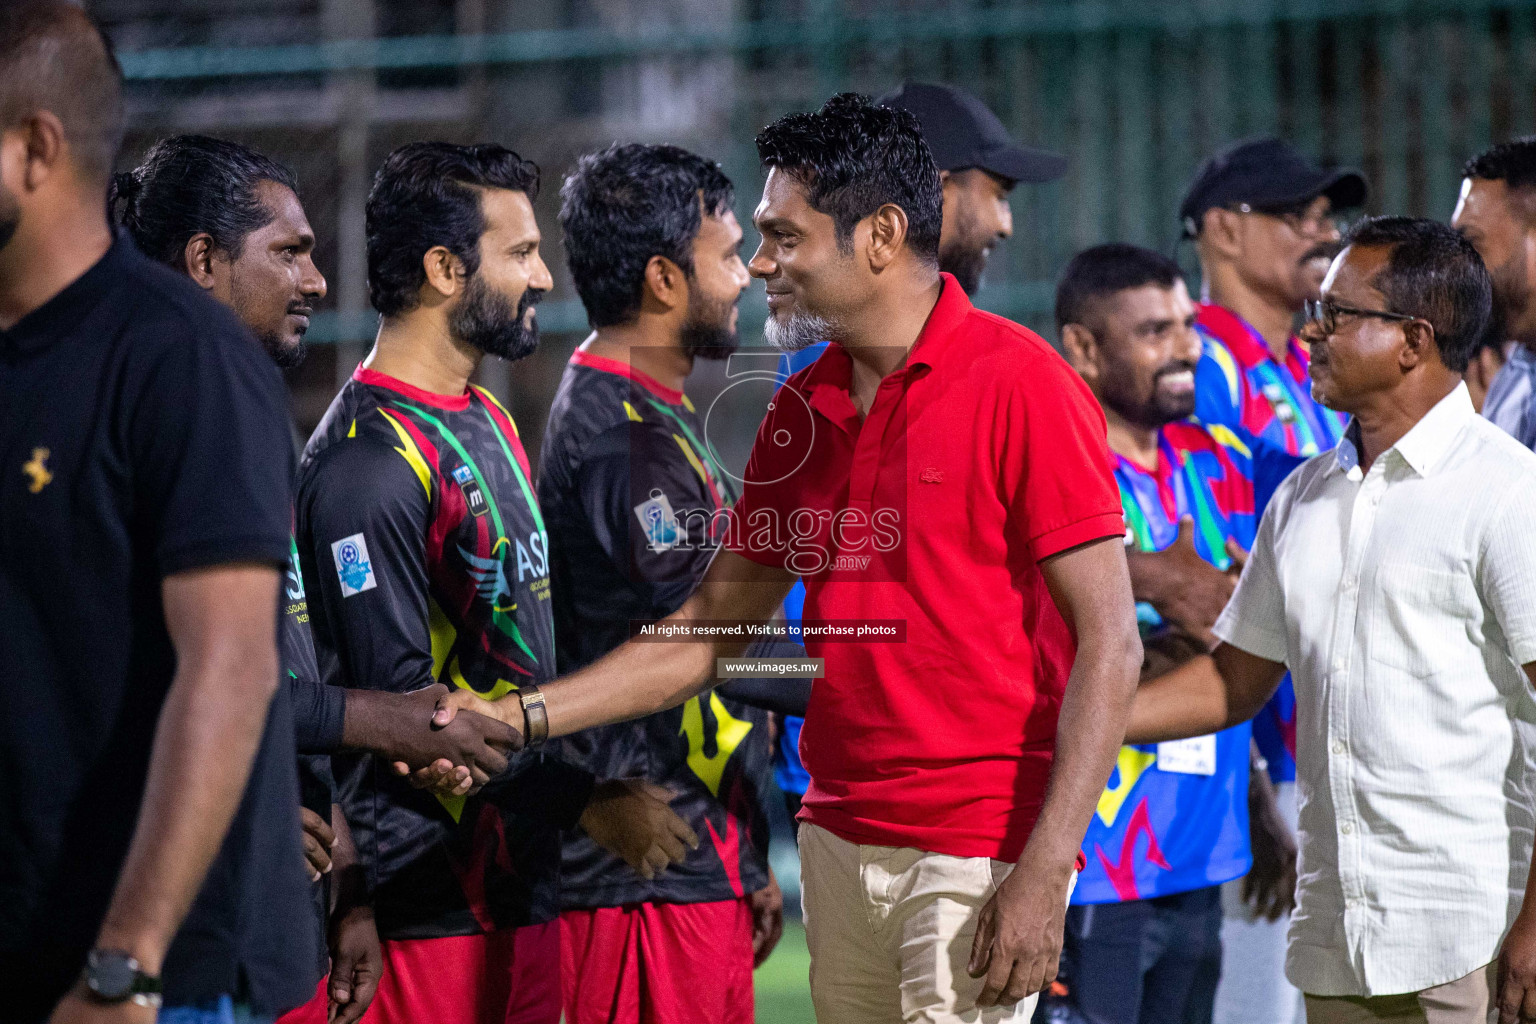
{"points": [[1403, 600]]}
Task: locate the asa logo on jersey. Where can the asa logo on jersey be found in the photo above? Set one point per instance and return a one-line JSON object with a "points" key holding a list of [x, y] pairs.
{"points": [[353, 567], [473, 496], [295, 583], [658, 522]]}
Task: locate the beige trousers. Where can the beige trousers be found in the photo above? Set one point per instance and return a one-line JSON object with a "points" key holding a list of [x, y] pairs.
{"points": [[1469, 1000], [890, 932]]}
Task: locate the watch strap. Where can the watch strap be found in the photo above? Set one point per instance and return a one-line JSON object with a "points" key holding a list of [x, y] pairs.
{"points": [[114, 976], [535, 717]]}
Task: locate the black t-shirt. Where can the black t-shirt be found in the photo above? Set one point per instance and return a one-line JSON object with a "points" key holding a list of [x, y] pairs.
{"points": [[143, 433], [634, 503], [424, 558]]}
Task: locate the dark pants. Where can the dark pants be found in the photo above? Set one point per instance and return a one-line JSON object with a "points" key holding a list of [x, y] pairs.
{"points": [[1154, 961]]}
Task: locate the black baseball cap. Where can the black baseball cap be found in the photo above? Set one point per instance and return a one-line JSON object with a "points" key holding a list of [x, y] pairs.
{"points": [[1266, 173], [963, 133]]}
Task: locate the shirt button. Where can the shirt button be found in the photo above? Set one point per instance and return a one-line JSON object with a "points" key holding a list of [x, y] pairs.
{"points": [[1338, 746], [1347, 828]]}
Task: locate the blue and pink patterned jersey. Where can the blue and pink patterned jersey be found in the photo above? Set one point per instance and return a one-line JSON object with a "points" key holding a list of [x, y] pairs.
{"points": [[1174, 816], [1239, 383]]}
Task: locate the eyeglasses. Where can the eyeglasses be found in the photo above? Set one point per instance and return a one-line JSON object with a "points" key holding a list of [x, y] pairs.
{"points": [[1326, 314], [1300, 221]]}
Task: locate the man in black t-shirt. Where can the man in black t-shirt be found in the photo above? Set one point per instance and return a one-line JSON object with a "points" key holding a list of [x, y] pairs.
{"points": [[426, 560], [634, 497], [144, 484], [230, 219]]}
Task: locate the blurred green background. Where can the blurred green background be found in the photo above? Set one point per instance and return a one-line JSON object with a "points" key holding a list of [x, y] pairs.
{"points": [[1135, 93]]}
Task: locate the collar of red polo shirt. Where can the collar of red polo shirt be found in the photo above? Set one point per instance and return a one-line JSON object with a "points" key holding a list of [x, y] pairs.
{"points": [[829, 379]]}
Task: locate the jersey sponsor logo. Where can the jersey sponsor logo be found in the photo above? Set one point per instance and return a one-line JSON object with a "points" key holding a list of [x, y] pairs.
{"points": [[37, 470], [295, 584], [659, 522], [353, 568], [1280, 402], [473, 496], [533, 559]]}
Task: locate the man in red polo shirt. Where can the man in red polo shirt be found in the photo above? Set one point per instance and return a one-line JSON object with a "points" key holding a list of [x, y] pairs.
{"points": [[939, 478]]}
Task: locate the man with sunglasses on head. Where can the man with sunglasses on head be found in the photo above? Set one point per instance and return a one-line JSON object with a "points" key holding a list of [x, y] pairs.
{"points": [[1396, 578]]}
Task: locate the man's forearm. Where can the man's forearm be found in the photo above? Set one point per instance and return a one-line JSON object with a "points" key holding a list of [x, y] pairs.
{"points": [[1148, 580], [1089, 732], [372, 719], [1192, 700], [633, 680], [205, 742]]}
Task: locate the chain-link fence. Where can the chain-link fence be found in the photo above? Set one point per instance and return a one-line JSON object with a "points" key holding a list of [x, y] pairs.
{"points": [[1135, 93]]}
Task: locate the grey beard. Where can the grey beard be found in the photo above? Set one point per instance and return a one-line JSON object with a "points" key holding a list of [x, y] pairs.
{"points": [[800, 331]]}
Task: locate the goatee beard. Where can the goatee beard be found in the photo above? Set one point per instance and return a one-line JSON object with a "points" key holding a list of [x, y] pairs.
{"points": [[800, 331], [487, 320], [286, 357], [966, 264], [707, 333]]}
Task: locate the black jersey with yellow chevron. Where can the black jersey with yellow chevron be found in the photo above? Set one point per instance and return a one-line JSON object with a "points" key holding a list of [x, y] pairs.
{"points": [[425, 559], [634, 501]]}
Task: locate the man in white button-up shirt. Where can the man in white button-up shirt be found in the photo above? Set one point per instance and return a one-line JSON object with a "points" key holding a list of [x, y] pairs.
{"points": [[1396, 578]]}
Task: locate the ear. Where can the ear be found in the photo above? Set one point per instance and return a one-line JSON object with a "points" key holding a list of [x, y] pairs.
{"points": [[444, 270], [1221, 230], [887, 233], [1082, 351], [197, 260], [43, 134], [1418, 345], [666, 282]]}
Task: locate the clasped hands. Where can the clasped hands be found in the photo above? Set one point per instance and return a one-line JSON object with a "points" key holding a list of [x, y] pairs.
{"points": [[631, 818]]}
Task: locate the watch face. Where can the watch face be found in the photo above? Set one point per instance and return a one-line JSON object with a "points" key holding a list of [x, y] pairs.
{"points": [[109, 974]]}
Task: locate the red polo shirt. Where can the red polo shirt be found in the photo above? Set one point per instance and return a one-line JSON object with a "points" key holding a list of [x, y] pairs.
{"points": [[982, 455]]}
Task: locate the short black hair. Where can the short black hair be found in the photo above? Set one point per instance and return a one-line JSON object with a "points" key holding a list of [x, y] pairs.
{"points": [[1433, 273], [54, 57], [1096, 274], [189, 184], [852, 158], [626, 204], [428, 194], [1512, 162]]}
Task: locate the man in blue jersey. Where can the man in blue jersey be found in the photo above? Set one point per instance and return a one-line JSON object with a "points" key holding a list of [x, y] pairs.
{"points": [[1144, 932]]}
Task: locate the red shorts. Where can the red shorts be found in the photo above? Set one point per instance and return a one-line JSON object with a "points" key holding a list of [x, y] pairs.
{"points": [[505, 977], [658, 963]]}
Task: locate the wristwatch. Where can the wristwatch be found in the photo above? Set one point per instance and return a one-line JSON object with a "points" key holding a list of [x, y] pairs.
{"points": [[535, 718], [113, 976]]}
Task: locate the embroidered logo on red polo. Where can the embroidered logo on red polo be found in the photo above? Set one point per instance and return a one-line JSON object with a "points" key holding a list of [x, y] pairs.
{"points": [[931, 475]]}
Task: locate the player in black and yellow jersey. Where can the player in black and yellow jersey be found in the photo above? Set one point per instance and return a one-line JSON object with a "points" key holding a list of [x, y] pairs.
{"points": [[426, 560], [633, 498]]}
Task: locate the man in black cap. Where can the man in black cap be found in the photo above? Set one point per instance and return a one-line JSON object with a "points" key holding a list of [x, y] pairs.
{"points": [[979, 164], [1262, 217]]}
